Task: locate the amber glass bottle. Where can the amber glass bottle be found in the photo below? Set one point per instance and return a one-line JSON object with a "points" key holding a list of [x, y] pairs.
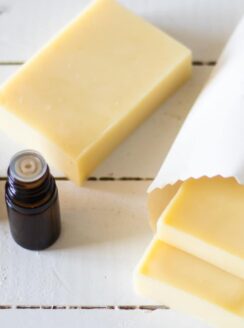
{"points": [[32, 201]]}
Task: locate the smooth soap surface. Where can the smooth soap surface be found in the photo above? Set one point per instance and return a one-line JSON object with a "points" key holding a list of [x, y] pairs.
{"points": [[92, 85], [206, 219], [184, 282]]}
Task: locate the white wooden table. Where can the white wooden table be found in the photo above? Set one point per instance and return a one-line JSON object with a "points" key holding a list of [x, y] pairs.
{"points": [[84, 280]]}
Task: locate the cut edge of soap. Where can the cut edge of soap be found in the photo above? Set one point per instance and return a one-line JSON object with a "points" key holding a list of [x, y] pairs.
{"points": [[178, 299], [146, 287], [199, 248], [159, 197]]}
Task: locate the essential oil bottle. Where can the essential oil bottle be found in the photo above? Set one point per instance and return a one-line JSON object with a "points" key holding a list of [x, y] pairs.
{"points": [[31, 197]]}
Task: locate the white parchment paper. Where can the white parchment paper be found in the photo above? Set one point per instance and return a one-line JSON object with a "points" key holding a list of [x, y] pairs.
{"points": [[211, 141]]}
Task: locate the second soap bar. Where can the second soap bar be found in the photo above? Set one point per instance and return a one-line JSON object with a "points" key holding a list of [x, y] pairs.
{"points": [[174, 278], [206, 218], [83, 93]]}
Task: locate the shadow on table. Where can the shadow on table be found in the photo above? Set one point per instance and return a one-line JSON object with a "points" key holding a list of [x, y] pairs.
{"points": [[95, 214]]}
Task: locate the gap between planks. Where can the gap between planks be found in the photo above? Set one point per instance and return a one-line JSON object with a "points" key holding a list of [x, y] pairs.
{"points": [[76, 307], [100, 179], [194, 63]]}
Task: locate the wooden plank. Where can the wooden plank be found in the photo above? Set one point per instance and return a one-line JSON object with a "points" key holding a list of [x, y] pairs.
{"points": [[105, 231], [143, 152], [97, 318], [204, 26]]}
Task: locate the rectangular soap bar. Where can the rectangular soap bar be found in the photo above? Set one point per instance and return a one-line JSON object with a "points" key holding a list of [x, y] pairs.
{"points": [[83, 93], [174, 278], [206, 218]]}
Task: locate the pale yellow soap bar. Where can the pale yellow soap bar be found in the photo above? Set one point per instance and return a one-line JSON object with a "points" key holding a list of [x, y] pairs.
{"points": [[206, 219], [174, 278], [83, 93]]}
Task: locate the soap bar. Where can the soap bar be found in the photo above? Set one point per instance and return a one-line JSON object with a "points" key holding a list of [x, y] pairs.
{"points": [[186, 283], [206, 218], [83, 93]]}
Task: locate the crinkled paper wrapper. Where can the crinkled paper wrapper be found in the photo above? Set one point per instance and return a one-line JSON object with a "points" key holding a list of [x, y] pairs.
{"points": [[211, 141]]}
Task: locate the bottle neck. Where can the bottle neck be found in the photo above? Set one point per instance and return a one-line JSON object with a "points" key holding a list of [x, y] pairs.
{"points": [[30, 194]]}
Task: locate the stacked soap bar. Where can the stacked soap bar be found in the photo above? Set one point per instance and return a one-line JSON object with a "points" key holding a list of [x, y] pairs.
{"points": [[83, 93], [195, 262], [206, 219]]}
